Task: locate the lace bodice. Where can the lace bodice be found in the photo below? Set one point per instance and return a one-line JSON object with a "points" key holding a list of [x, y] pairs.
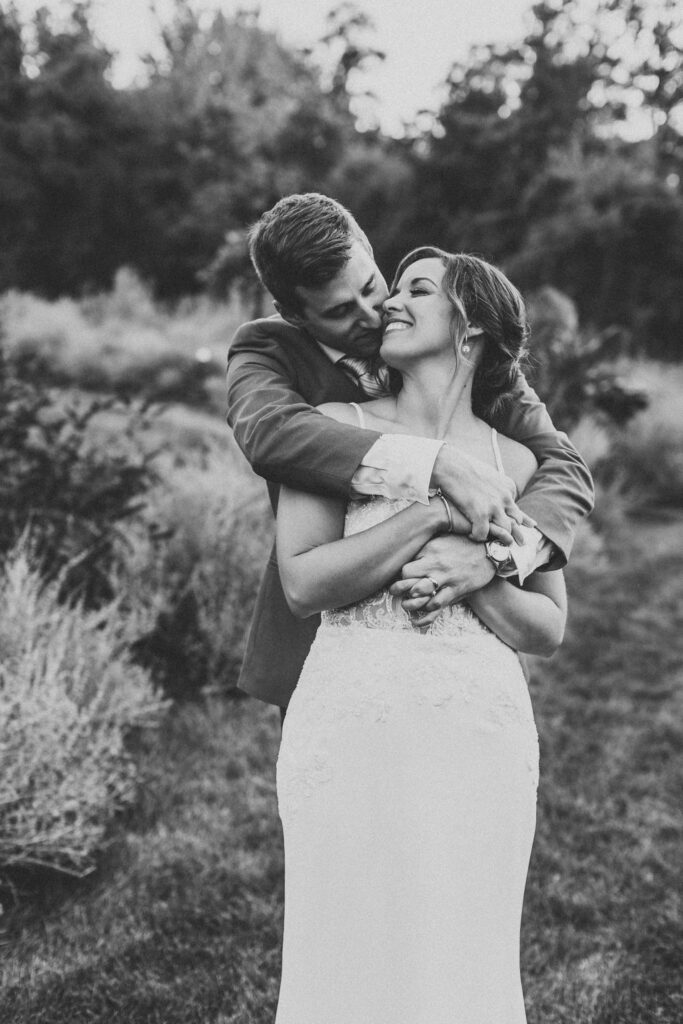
{"points": [[382, 610]]}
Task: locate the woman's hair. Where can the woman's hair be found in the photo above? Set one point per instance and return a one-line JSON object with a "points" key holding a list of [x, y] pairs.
{"points": [[482, 296]]}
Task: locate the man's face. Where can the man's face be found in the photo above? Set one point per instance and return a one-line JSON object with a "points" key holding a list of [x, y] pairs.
{"points": [[346, 313]]}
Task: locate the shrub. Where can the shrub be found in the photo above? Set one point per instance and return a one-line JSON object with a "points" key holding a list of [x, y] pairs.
{"points": [[574, 371], [194, 566], [69, 695], [122, 342], [73, 494], [642, 466]]}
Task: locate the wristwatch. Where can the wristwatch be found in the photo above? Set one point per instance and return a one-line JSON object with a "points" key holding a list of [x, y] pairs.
{"points": [[500, 555]]}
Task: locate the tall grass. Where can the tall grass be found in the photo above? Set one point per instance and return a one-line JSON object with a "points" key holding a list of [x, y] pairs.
{"points": [[69, 695], [212, 529], [123, 341]]}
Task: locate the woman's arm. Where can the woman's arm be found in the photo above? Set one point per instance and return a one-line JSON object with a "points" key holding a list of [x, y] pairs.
{"points": [[532, 619], [320, 569]]}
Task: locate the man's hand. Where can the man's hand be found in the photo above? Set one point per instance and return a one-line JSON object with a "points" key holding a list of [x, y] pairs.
{"points": [[457, 566], [484, 496]]}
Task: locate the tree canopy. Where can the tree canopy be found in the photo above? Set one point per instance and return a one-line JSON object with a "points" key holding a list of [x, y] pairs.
{"points": [[559, 157]]}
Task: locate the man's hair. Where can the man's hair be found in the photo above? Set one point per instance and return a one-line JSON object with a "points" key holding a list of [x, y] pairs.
{"points": [[304, 240], [482, 295]]}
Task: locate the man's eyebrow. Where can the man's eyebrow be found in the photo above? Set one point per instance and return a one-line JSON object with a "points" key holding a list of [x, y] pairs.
{"points": [[349, 302], [338, 305]]}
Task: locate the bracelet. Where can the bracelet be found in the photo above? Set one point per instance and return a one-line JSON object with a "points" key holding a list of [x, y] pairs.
{"points": [[440, 494]]}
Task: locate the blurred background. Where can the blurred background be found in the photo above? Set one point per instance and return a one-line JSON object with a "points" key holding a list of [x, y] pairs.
{"points": [[140, 851]]}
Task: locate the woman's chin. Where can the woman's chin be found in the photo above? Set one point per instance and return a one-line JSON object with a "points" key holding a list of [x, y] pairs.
{"points": [[389, 355]]}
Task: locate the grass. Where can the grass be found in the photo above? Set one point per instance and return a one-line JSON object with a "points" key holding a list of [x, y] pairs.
{"points": [[182, 922]]}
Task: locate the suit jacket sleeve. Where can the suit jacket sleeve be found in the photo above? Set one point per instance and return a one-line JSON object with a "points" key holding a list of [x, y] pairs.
{"points": [[560, 493], [283, 437]]}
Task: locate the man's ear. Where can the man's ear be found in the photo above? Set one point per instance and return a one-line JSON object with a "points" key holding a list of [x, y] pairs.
{"points": [[295, 319]]}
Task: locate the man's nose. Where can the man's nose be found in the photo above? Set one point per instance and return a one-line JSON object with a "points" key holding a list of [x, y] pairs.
{"points": [[371, 315]]}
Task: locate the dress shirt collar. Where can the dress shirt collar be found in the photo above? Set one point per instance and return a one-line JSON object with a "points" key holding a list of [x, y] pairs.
{"points": [[333, 354]]}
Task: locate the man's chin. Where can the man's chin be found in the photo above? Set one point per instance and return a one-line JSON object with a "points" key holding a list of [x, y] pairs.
{"points": [[365, 348]]}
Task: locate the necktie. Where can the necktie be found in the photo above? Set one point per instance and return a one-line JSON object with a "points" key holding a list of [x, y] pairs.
{"points": [[371, 377]]}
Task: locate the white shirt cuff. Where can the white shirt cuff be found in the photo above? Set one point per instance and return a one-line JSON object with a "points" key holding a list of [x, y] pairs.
{"points": [[397, 466], [527, 557]]}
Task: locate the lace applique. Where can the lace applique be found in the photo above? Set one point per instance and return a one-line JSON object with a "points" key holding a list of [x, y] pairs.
{"points": [[382, 610]]}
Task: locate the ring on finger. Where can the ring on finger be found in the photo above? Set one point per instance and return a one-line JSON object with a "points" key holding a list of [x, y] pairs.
{"points": [[434, 584]]}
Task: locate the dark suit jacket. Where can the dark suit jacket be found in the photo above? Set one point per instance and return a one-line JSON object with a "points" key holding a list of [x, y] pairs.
{"points": [[275, 374]]}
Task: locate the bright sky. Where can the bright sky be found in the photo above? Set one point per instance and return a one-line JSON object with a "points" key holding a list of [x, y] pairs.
{"points": [[421, 38]]}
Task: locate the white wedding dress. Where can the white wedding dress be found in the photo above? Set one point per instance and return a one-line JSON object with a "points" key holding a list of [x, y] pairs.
{"points": [[406, 783]]}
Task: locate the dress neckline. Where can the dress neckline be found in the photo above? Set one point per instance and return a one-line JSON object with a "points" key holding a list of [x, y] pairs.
{"points": [[494, 437]]}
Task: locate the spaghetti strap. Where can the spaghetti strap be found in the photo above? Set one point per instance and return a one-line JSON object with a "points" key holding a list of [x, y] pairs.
{"points": [[496, 450], [359, 413]]}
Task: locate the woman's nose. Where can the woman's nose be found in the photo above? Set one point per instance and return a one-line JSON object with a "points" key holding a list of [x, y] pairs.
{"points": [[391, 304]]}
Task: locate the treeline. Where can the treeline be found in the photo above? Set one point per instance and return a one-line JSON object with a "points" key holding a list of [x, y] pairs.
{"points": [[561, 157]]}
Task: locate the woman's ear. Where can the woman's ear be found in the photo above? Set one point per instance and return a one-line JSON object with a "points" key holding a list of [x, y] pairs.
{"points": [[469, 339]]}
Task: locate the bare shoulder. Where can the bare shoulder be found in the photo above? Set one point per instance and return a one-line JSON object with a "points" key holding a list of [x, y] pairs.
{"points": [[518, 460]]}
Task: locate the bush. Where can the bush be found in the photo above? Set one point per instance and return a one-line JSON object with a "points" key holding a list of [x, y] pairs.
{"points": [[193, 566], [642, 466], [574, 371], [69, 695], [121, 342], [72, 494]]}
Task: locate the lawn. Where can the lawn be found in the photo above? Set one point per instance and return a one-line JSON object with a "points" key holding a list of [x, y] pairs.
{"points": [[181, 923]]}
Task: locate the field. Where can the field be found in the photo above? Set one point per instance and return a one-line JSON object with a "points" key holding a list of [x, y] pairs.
{"points": [[181, 921]]}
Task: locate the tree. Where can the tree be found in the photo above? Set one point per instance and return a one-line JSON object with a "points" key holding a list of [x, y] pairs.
{"points": [[531, 162]]}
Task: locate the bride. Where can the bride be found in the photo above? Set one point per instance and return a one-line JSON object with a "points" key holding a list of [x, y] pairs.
{"points": [[408, 768]]}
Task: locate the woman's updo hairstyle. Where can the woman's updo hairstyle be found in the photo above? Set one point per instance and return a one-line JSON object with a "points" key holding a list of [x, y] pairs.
{"points": [[482, 296]]}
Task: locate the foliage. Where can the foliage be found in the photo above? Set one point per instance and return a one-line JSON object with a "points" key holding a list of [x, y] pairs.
{"points": [[69, 695], [193, 568], [576, 372], [70, 494], [530, 164], [644, 465], [559, 156], [120, 343]]}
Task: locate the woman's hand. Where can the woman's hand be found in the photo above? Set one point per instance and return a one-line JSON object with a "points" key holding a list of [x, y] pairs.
{"points": [[456, 565]]}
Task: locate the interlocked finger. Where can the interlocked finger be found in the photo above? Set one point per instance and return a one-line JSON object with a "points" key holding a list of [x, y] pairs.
{"points": [[427, 586], [435, 605]]}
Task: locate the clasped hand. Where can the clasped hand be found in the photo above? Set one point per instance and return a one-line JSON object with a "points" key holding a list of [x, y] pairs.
{"points": [[485, 496], [455, 565]]}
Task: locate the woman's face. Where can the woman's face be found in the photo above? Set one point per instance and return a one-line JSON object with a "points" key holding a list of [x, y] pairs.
{"points": [[417, 315]]}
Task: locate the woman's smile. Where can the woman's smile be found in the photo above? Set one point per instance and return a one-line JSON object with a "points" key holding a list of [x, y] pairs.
{"points": [[395, 324]]}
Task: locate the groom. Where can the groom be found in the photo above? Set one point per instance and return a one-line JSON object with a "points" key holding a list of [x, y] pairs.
{"points": [[321, 346]]}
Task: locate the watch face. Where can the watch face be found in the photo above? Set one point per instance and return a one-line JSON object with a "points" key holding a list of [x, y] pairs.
{"points": [[498, 551]]}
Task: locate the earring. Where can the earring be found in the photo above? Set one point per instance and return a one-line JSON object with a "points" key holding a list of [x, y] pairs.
{"points": [[466, 349]]}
